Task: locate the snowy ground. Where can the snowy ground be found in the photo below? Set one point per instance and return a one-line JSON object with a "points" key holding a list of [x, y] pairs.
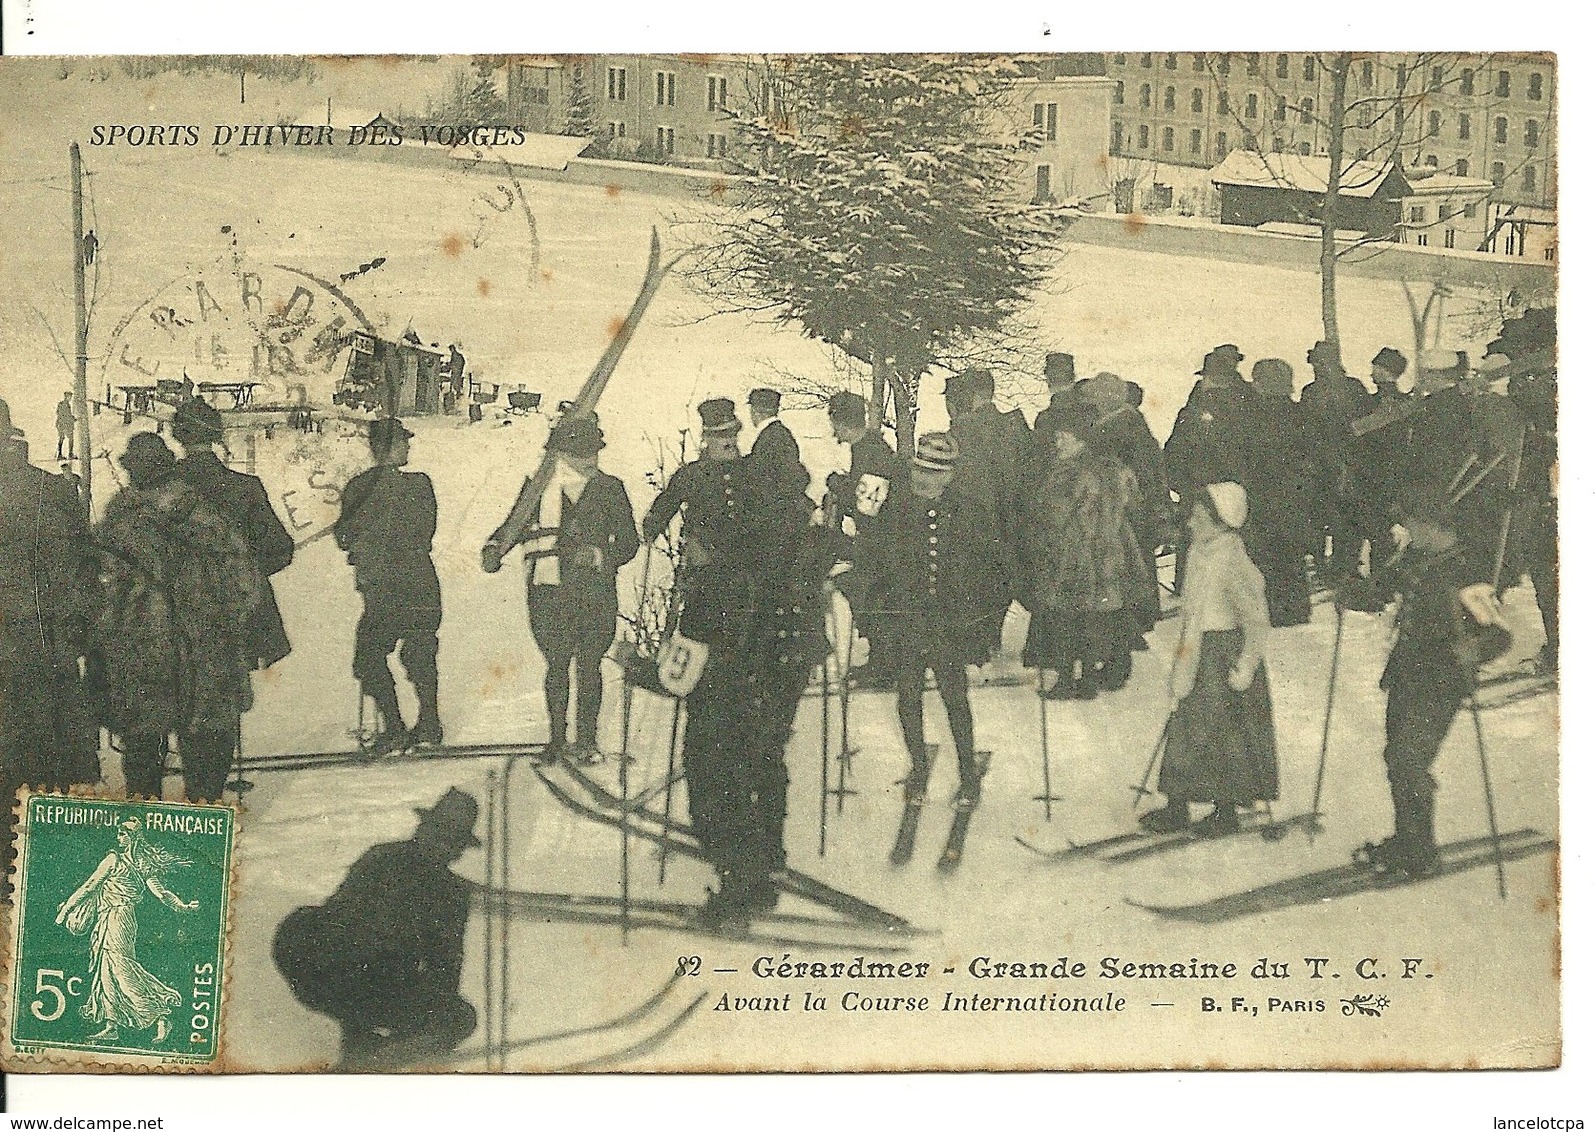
{"points": [[1493, 999]]}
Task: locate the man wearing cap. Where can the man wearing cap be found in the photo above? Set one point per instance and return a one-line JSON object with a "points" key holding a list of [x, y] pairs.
{"points": [[1332, 400], [386, 526], [585, 533], [929, 565], [1379, 453], [47, 571], [382, 956], [774, 447], [1528, 343], [1449, 624], [242, 500], [1288, 485], [1207, 443], [1064, 393], [712, 493]]}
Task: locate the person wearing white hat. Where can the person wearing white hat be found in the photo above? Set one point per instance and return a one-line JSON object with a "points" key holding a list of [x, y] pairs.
{"points": [[1220, 745]]}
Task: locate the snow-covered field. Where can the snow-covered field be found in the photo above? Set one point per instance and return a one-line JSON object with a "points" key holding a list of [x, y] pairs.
{"points": [[460, 272]]}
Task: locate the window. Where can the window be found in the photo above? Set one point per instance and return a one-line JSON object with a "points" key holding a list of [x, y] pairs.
{"points": [[1196, 141], [716, 145], [1162, 197], [1500, 131], [617, 84], [1146, 59], [1221, 144], [1168, 139], [617, 129], [1168, 98], [1223, 102], [1171, 61], [1498, 173], [1249, 140], [665, 141], [1143, 137], [1536, 87], [1199, 62], [1450, 237], [1279, 108], [1445, 212], [717, 92], [1118, 60], [1401, 117], [1146, 96], [1531, 134], [1043, 183], [1251, 106], [1279, 144], [1464, 127], [1282, 67], [1309, 68], [1530, 179], [1467, 81], [1367, 74], [664, 88], [1503, 84], [1118, 138], [1305, 149], [1417, 214], [1401, 77], [1462, 167], [1470, 211], [1044, 116], [1196, 101], [1436, 78], [1431, 161], [1118, 94], [1254, 63], [1434, 123], [1223, 63], [1423, 239], [1307, 106]]}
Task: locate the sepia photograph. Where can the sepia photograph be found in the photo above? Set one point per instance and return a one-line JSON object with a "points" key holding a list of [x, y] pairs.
{"points": [[780, 563]]}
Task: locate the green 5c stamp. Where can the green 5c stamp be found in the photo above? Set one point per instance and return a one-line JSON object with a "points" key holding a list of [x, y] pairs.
{"points": [[119, 934]]}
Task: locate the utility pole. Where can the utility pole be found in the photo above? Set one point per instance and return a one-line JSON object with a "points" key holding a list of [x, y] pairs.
{"points": [[80, 391]]}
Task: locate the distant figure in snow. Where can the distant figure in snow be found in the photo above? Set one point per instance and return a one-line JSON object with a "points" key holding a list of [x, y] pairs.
{"points": [[65, 420]]}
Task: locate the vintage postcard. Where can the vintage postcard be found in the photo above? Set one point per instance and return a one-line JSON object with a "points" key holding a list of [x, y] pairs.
{"points": [[790, 563]]}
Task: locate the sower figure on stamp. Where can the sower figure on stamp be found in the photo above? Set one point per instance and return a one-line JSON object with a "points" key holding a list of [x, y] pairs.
{"points": [[386, 527], [242, 500], [585, 532], [171, 635], [1448, 625], [928, 564], [382, 956]]}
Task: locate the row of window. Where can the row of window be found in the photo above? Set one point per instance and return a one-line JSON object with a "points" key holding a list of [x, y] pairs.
{"points": [[665, 88], [1439, 75], [715, 145]]}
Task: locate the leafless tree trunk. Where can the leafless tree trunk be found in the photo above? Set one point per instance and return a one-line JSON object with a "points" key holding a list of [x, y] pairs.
{"points": [[877, 397], [1339, 69]]}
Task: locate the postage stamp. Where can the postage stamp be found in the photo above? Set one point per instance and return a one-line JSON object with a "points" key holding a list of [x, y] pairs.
{"points": [[119, 932]]}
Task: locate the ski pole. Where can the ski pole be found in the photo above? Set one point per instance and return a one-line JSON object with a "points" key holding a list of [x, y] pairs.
{"points": [[491, 893], [670, 785], [1489, 797], [846, 757], [1046, 751], [825, 746], [1329, 709], [1146, 776]]}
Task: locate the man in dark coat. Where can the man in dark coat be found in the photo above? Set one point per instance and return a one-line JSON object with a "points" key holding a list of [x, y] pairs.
{"points": [[386, 527], [1379, 455], [242, 500], [773, 445], [1207, 443], [48, 736], [1332, 400], [382, 956], [1532, 388], [1061, 386], [1449, 625], [585, 533], [930, 563], [65, 427], [710, 493], [1286, 490]]}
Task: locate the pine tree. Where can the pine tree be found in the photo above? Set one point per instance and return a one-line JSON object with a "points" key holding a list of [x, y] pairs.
{"points": [[578, 105], [882, 214]]}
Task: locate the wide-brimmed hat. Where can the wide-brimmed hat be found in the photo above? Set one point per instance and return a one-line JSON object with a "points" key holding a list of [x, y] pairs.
{"points": [[1229, 504], [577, 436], [764, 400], [1222, 361], [1273, 377], [1105, 391], [454, 813], [1060, 369], [197, 418], [936, 452], [147, 458], [1391, 360], [384, 431], [719, 417], [1326, 352], [7, 429]]}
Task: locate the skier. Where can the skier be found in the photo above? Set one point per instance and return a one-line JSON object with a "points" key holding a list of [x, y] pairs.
{"points": [[382, 956], [1284, 469], [65, 428], [242, 500], [928, 563], [172, 638], [1220, 744], [1379, 455], [753, 613], [711, 488], [386, 527], [1332, 400], [1449, 624], [570, 581], [1083, 567]]}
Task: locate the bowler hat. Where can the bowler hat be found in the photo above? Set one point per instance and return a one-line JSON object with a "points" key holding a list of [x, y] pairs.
{"points": [[577, 435], [1060, 369], [454, 813], [1105, 391], [384, 431], [1324, 352], [197, 418], [719, 417], [1222, 361], [936, 452], [764, 400], [1391, 360]]}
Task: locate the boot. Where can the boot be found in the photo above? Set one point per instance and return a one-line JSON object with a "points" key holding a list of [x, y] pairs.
{"points": [[1172, 818], [391, 734], [1222, 822], [908, 827], [428, 730], [1116, 672]]}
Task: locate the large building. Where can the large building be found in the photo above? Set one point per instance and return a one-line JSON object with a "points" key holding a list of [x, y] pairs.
{"points": [[1477, 116]]}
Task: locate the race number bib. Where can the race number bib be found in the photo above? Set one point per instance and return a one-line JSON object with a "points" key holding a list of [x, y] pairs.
{"points": [[871, 493], [681, 664]]}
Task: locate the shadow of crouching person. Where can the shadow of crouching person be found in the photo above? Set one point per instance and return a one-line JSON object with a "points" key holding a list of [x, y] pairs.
{"points": [[382, 956]]}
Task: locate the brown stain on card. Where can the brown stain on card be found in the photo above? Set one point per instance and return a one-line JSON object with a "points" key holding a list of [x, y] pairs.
{"points": [[453, 245], [1135, 223], [616, 325], [612, 191], [483, 286]]}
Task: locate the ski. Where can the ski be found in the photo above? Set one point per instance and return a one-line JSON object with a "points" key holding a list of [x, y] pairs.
{"points": [[644, 1045], [318, 760], [952, 854], [907, 832], [1529, 689], [1084, 848], [677, 837], [635, 1014], [1156, 844], [1348, 880]]}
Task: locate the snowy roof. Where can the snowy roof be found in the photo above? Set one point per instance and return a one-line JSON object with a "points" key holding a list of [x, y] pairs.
{"points": [[1308, 174], [539, 151], [1447, 183]]}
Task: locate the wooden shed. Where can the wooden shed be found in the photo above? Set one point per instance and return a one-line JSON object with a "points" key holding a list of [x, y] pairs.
{"points": [[1261, 188]]}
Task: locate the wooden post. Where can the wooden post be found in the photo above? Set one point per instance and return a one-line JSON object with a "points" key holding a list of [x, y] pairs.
{"points": [[80, 383]]}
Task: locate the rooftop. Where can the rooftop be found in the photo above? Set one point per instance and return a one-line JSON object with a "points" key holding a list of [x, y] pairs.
{"points": [[1307, 174]]}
